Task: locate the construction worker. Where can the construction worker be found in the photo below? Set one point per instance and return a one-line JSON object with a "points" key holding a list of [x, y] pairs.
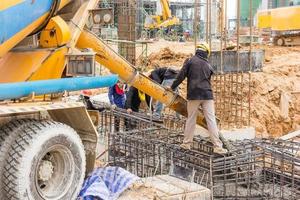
{"points": [[117, 98], [199, 92], [85, 96], [134, 98], [116, 95], [164, 76]]}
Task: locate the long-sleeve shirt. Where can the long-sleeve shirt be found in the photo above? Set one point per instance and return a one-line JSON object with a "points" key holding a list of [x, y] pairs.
{"points": [[163, 73], [132, 99], [115, 98], [198, 72]]}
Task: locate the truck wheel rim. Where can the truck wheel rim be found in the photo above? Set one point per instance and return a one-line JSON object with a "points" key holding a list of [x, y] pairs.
{"points": [[54, 172]]}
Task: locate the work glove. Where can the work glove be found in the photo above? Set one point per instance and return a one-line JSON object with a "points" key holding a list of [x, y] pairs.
{"points": [[129, 111]]}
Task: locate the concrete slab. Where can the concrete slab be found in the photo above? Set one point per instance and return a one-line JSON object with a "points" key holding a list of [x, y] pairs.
{"points": [[230, 61], [239, 134], [163, 186], [168, 188]]}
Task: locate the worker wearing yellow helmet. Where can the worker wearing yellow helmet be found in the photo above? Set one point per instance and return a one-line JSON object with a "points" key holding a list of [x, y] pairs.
{"points": [[198, 72], [203, 47]]}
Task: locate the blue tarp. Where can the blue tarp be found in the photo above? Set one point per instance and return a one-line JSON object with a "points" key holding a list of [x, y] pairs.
{"points": [[106, 183]]}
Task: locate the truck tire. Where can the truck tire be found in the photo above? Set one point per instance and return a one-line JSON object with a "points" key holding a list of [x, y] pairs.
{"points": [[46, 162], [8, 134]]}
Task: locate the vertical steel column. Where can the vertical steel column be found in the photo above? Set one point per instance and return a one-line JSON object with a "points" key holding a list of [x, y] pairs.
{"points": [[221, 76], [250, 61], [221, 22], [238, 59], [126, 28], [225, 25], [207, 20], [210, 22], [139, 18], [238, 33], [196, 21], [224, 79]]}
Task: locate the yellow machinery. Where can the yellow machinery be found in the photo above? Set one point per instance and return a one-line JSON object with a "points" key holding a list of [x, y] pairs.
{"points": [[284, 24], [41, 40], [164, 20]]}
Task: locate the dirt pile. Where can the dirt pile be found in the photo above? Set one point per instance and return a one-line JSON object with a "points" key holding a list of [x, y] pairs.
{"points": [[278, 84], [167, 57]]}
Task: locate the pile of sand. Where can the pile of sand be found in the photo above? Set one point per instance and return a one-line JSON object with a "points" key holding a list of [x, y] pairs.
{"points": [[281, 74], [167, 57]]}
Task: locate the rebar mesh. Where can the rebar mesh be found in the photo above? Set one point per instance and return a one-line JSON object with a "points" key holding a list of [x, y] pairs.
{"points": [[232, 99], [126, 15], [118, 120], [253, 169], [258, 169], [153, 152]]}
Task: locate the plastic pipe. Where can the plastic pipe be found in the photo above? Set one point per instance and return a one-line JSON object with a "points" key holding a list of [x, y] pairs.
{"points": [[23, 89]]}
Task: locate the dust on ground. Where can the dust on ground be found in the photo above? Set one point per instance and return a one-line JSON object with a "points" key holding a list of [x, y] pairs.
{"points": [[280, 75]]}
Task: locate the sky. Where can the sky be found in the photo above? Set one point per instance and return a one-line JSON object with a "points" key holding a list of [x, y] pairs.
{"points": [[231, 8]]}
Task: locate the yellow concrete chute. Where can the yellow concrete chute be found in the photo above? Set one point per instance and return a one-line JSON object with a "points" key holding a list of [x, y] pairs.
{"points": [[118, 65]]}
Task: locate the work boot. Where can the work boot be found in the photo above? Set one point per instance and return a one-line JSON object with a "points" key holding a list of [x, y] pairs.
{"points": [[220, 150], [186, 146]]}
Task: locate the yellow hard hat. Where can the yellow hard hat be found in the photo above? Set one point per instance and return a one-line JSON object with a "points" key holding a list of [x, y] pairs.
{"points": [[204, 47]]}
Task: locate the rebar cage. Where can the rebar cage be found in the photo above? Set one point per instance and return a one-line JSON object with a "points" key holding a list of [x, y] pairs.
{"points": [[119, 120], [253, 169], [258, 169]]}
